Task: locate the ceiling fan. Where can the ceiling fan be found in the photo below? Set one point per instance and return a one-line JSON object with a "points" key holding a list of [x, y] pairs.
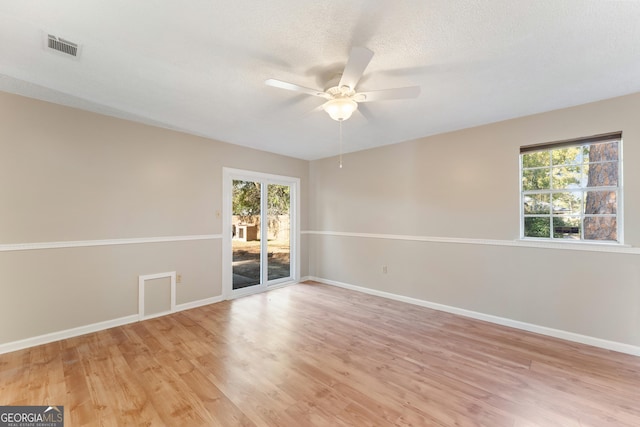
{"points": [[340, 92]]}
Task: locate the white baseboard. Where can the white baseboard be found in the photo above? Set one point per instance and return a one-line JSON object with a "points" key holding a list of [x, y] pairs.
{"points": [[543, 330], [96, 327], [69, 333], [199, 303]]}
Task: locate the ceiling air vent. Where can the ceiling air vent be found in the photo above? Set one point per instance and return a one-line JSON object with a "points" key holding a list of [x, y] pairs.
{"points": [[62, 45]]}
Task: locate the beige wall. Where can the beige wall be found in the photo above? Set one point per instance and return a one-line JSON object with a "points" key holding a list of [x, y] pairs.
{"points": [[70, 175], [465, 185]]}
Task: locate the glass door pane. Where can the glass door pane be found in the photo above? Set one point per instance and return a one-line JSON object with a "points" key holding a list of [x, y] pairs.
{"points": [[245, 242], [278, 232], [260, 244]]}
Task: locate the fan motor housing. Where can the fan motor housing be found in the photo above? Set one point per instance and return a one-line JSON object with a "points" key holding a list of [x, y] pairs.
{"points": [[340, 92]]}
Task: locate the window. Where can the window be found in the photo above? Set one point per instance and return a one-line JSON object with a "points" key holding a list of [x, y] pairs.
{"points": [[572, 190]]}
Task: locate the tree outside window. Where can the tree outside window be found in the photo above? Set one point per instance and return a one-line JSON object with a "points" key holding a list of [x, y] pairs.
{"points": [[571, 190]]}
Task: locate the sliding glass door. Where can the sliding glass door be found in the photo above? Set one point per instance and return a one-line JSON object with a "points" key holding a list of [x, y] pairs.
{"points": [[278, 232], [261, 214], [246, 241]]}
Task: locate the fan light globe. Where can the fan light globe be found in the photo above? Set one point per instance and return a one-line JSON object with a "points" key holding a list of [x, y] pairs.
{"points": [[340, 108]]}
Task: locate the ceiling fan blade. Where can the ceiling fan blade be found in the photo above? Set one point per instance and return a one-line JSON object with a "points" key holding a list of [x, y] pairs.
{"points": [[296, 88], [357, 63], [365, 112], [385, 94]]}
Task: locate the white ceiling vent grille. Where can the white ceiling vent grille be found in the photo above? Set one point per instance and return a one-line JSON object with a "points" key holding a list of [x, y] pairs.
{"points": [[62, 45]]}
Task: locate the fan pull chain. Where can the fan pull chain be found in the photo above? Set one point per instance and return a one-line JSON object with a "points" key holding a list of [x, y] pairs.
{"points": [[340, 162]]}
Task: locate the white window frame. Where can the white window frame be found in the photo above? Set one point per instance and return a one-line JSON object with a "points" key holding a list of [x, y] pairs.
{"points": [[618, 189]]}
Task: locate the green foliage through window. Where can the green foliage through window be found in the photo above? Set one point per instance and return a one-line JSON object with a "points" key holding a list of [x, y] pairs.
{"points": [[246, 200], [571, 191]]}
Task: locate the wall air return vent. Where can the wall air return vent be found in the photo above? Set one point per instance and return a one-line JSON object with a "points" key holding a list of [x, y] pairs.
{"points": [[62, 45]]}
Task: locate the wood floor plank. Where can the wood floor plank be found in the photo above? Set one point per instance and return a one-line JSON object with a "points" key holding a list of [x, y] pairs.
{"points": [[316, 355], [77, 402]]}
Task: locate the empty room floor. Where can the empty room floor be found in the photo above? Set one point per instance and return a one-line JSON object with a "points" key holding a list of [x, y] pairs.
{"points": [[312, 354]]}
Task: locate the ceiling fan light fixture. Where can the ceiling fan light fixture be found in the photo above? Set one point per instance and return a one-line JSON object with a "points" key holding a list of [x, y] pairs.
{"points": [[340, 108]]}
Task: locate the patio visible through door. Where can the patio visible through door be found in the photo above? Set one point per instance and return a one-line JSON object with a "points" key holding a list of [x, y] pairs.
{"points": [[262, 232]]}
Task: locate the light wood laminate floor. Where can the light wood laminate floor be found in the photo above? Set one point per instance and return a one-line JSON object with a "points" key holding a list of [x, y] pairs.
{"points": [[316, 355]]}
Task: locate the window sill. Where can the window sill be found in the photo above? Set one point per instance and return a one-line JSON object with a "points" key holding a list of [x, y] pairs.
{"points": [[580, 245]]}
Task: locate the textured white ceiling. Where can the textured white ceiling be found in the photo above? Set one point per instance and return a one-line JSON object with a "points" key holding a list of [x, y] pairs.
{"points": [[199, 66]]}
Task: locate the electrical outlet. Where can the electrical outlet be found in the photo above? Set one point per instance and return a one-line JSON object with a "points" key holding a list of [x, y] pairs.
{"points": [[179, 278], [384, 269]]}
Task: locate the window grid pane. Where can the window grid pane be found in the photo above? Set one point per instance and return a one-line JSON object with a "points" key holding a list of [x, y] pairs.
{"points": [[571, 192]]}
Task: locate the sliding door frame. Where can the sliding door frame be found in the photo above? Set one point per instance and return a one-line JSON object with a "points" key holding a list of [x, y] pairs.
{"points": [[228, 176]]}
